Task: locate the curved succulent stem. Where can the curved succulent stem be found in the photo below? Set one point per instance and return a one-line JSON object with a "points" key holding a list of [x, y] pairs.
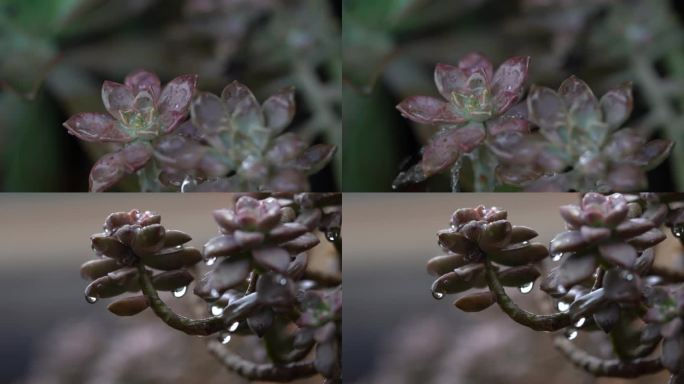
{"points": [[260, 372], [547, 323], [201, 327], [601, 367]]}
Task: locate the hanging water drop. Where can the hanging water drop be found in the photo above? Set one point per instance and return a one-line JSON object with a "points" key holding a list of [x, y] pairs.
{"points": [[90, 299], [188, 184], [332, 234], [437, 295], [571, 333], [282, 281], [233, 327], [214, 293], [525, 243], [180, 292], [217, 310], [678, 230], [210, 261], [580, 322], [527, 287], [224, 338], [557, 256], [563, 306]]}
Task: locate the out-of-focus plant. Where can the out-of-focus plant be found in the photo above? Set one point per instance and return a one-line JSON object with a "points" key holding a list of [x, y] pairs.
{"points": [[607, 280], [58, 52], [389, 46], [232, 143], [259, 285], [577, 146]]}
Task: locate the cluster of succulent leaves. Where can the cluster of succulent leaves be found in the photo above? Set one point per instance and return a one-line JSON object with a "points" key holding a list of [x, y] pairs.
{"points": [[576, 145], [130, 239], [258, 285], [229, 143], [605, 280], [477, 234]]}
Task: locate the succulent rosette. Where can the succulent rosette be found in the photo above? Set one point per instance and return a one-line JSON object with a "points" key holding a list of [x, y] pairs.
{"points": [[130, 239], [253, 236], [580, 146], [139, 112], [250, 140], [604, 231], [479, 234], [477, 104]]}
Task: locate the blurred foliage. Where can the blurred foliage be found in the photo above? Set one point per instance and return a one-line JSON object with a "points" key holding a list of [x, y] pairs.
{"points": [[56, 53], [392, 46]]}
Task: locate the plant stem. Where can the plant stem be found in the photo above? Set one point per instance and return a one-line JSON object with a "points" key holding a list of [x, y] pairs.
{"points": [[610, 368], [260, 372], [202, 327], [456, 175], [547, 323]]}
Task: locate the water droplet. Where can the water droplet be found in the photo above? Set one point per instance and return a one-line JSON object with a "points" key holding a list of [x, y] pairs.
{"points": [[629, 277], [678, 230], [189, 184], [580, 322], [282, 281], [571, 333], [527, 287], [224, 338], [90, 299], [525, 243], [234, 327], [557, 256], [180, 292], [332, 234], [217, 310], [563, 306], [437, 295], [210, 261], [214, 293]]}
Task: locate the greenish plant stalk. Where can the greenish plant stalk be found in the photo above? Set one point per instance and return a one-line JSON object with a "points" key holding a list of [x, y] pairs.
{"points": [[546, 323], [201, 327]]}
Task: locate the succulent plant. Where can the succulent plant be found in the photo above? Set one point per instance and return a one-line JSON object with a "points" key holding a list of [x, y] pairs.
{"points": [[580, 146], [603, 230], [262, 285], [139, 112], [249, 138], [130, 240], [479, 234], [230, 143], [607, 279], [479, 103]]}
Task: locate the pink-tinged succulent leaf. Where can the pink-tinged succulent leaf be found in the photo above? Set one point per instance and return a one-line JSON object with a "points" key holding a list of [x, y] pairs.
{"points": [[289, 180], [315, 158], [508, 82], [516, 174], [446, 146], [619, 253], [627, 178], [117, 97], [274, 258], [546, 108], [583, 107], [279, 110], [616, 105], [503, 125], [136, 155], [142, 80], [175, 100], [242, 106], [107, 171], [449, 79], [474, 63], [428, 110], [653, 153], [286, 148], [96, 127], [208, 113]]}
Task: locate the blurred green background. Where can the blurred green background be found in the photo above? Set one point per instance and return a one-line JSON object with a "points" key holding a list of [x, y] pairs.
{"points": [[390, 48], [57, 53]]}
